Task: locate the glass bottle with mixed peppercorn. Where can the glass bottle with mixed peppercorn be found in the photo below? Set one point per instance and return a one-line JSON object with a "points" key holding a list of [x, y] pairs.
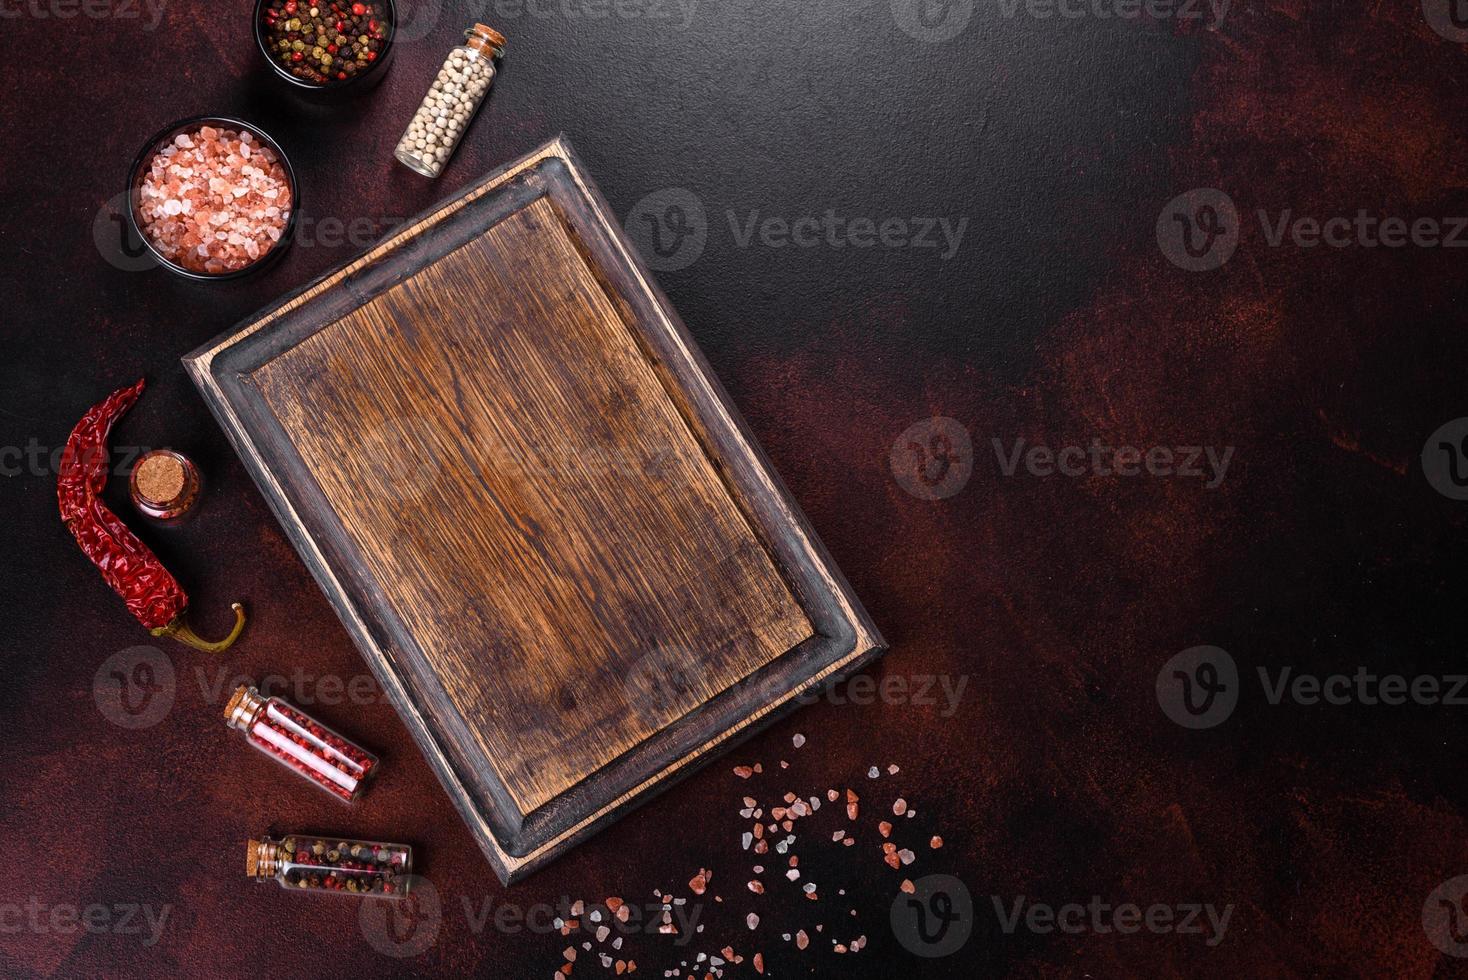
{"points": [[330, 864]]}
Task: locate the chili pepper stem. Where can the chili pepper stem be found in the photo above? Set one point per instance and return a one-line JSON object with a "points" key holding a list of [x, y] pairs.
{"points": [[179, 629]]}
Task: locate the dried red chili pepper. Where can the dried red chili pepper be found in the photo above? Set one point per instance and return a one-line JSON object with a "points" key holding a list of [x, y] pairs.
{"points": [[152, 594]]}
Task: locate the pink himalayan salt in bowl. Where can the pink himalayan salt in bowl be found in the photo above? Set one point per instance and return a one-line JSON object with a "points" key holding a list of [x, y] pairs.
{"points": [[213, 198]]}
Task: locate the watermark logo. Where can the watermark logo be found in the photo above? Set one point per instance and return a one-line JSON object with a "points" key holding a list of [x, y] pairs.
{"points": [[416, 20], [670, 228], [149, 12], [1445, 916], [1199, 687], [661, 682], [1208, 464], [678, 13], [1102, 918], [935, 919], [403, 447], [35, 459], [932, 459], [1199, 229], [942, 235], [117, 241], [932, 21], [406, 926], [943, 692], [1445, 459], [97, 919], [674, 917], [134, 688], [1448, 17], [1152, 10]]}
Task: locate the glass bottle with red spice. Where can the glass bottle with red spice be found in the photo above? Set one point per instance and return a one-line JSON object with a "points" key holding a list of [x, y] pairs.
{"points": [[301, 743], [307, 862]]}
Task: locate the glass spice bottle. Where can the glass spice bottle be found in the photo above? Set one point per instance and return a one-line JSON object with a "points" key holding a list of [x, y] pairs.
{"points": [[453, 98], [306, 862], [165, 484], [301, 743]]}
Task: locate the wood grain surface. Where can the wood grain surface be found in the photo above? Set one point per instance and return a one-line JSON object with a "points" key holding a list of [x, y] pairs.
{"points": [[512, 472]]}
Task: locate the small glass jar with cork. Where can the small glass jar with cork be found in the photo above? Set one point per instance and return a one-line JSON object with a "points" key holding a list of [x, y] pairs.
{"points": [[452, 100], [311, 863], [165, 485], [301, 743]]}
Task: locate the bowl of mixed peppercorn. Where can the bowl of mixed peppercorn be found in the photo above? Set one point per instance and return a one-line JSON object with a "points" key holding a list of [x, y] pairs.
{"points": [[326, 48]]}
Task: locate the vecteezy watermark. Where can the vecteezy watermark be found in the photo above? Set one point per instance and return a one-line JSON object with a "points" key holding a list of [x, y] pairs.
{"points": [[566, 455], [117, 240], [97, 918], [1153, 10], [661, 684], [1099, 917], [1099, 459], [669, 227], [1448, 17], [1199, 230], [300, 687], [1362, 230], [149, 12], [1362, 687], [120, 246], [36, 459], [677, 13], [407, 450], [1199, 687], [676, 917], [406, 926], [832, 230], [932, 459], [1445, 916], [941, 691], [334, 231], [1445, 459], [134, 688], [932, 21], [935, 919], [137, 687]]}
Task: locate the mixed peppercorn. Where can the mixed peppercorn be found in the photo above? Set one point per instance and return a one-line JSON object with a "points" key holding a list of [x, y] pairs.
{"points": [[361, 867], [326, 41]]}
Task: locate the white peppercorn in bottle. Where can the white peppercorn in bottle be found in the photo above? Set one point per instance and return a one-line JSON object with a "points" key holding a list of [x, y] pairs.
{"points": [[451, 102]]}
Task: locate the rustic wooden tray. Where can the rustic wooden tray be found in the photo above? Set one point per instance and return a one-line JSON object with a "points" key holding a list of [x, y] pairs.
{"points": [[534, 508]]}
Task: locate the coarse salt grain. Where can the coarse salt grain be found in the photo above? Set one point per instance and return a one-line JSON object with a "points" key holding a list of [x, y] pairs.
{"points": [[176, 212]]}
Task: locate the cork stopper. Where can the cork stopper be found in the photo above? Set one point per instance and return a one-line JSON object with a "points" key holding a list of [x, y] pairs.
{"points": [[165, 484], [161, 478], [243, 706], [482, 37], [262, 858]]}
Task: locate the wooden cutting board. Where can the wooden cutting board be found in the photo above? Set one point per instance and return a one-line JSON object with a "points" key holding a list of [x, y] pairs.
{"points": [[534, 508]]}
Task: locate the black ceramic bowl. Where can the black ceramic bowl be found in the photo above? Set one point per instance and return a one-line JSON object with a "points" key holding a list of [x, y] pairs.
{"points": [[144, 159], [336, 91]]}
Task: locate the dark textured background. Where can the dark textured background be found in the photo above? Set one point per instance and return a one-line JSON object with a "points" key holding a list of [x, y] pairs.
{"points": [[1058, 320]]}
